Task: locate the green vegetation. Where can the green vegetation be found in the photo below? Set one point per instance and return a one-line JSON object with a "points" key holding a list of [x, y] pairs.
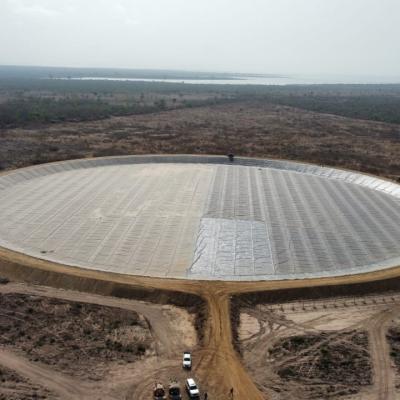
{"points": [[19, 112], [26, 102], [31, 96], [37, 110], [383, 108]]}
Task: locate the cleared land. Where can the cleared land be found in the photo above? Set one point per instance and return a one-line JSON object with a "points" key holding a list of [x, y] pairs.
{"points": [[253, 128], [86, 346], [73, 337], [332, 348], [246, 129], [15, 387], [216, 351]]}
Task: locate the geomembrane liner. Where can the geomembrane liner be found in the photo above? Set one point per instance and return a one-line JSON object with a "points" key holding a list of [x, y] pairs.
{"points": [[202, 217]]}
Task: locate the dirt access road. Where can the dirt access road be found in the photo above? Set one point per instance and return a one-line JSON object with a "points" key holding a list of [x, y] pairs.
{"points": [[383, 373], [60, 384], [265, 325], [218, 364], [169, 326]]}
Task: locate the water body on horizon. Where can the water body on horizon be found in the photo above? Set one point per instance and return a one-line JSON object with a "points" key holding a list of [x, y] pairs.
{"points": [[260, 80]]}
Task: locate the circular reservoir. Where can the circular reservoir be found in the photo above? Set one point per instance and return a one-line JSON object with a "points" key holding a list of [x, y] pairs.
{"points": [[202, 217]]}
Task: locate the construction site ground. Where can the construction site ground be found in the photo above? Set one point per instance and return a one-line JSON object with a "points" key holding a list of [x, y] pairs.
{"points": [[164, 331], [218, 366], [251, 129], [265, 327]]}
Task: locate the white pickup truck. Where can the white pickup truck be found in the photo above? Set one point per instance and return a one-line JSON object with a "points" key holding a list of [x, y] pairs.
{"points": [[187, 360]]}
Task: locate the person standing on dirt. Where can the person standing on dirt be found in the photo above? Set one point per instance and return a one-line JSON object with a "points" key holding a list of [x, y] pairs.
{"points": [[205, 396], [231, 393]]}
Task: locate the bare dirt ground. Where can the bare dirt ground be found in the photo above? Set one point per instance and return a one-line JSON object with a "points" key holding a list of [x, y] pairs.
{"points": [[217, 366], [77, 338], [82, 366], [294, 350], [15, 387], [246, 129]]}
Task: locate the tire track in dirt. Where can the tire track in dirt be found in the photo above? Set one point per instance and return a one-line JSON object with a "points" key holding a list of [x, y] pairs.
{"points": [[159, 325], [380, 354], [383, 385], [67, 388], [219, 364]]}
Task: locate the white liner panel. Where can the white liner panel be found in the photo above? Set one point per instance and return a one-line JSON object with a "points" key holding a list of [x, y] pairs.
{"points": [[202, 217]]}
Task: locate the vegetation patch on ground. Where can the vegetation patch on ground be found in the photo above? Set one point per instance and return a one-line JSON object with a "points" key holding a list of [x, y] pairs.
{"points": [[326, 365], [393, 337], [245, 129], [68, 335], [15, 387]]}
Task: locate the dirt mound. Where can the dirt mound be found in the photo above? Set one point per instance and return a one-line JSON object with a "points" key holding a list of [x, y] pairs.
{"points": [[316, 292]]}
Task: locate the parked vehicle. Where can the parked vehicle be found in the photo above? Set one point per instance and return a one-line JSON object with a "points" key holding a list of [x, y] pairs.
{"points": [[174, 391], [192, 389], [187, 360], [159, 392]]}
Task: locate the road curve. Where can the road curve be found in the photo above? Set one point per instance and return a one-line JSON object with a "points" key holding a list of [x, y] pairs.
{"points": [[219, 363], [383, 373], [66, 388]]}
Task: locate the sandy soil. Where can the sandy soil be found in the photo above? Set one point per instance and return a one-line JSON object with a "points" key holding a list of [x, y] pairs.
{"points": [[171, 328], [76, 338], [264, 327], [217, 365], [15, 387], [246, 129]]}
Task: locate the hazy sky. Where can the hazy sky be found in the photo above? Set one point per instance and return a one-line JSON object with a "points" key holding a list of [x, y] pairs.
{"points": [[267, 36]]}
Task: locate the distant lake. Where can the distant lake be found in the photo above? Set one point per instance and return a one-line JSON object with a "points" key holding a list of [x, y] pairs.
{"points": [[259, 80]]}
